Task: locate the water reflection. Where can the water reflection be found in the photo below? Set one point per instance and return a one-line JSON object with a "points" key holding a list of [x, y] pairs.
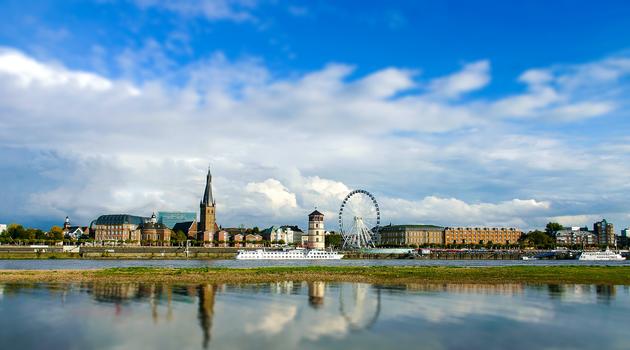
{"points": [[206, 311], [316, 293], [297, 314]]}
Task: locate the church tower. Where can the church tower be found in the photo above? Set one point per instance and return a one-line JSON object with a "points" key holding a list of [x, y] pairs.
{"points": [[207, 219]]}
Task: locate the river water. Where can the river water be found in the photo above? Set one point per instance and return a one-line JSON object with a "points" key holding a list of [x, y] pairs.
{"points": [[314, 315], [55, 264]]}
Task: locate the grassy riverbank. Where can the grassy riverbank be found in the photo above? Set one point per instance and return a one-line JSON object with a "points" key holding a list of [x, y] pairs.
{"points": [[488, 275]]}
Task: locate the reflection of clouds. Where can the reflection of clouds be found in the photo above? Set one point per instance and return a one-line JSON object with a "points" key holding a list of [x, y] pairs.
{"points": [[334, 326], [455, 302], [274, 320], [447, 309]]}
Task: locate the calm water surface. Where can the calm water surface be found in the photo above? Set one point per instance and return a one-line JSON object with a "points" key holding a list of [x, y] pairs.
{"points": [[95, 264], [314, 315]]}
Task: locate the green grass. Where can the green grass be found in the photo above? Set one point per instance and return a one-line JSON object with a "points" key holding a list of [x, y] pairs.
{"points": [[619, 275]]}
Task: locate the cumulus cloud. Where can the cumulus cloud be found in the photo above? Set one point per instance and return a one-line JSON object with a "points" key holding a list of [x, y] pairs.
{"points": [[281, 145], [26, 72], [569, 92], [275, 193]]}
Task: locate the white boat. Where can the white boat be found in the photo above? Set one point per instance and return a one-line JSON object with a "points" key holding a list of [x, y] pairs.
{"points": [[292, 254], [606, 255], [528, 258]]}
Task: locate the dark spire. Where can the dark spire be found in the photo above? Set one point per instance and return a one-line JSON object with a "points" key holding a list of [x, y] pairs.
{"points": [[207, 193]]}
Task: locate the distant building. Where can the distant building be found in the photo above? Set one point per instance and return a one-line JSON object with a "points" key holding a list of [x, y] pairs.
{"points": [[605, 232], [293, 231], [73, 232], [411, 234], [316, 236], [154, 232], [253, 240], [3, 227], [624, 239], [576, 235], [189, 228], [223, 238], [282, 233], [431, 234], [131, 229], [118, 227], [237, 239], [172, 218], [481, 235], [207, 215]]}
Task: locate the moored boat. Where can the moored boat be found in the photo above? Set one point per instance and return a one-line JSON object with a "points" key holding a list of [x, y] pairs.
{"points": [[291, 254], [606, 255]]}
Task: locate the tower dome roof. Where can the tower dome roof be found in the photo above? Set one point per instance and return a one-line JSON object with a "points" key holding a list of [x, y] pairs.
{"points": [[314, 213]]}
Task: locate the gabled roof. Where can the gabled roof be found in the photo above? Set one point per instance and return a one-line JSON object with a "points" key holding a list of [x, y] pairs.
{"points": [[183, 226], [316, 212]]}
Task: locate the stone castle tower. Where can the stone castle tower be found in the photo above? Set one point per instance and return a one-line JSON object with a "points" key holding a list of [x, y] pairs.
{"points": [[316, 232], [207, 219]]}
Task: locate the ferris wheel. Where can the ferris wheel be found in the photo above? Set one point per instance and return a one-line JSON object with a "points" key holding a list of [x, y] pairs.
{"points": [[359, 218]]}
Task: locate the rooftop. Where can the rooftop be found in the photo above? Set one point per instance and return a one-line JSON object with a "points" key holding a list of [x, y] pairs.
{"points": [[413, 226], [119, 219]]}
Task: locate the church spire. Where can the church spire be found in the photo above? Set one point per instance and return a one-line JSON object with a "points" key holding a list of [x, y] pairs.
{"points": [[208, 199]]}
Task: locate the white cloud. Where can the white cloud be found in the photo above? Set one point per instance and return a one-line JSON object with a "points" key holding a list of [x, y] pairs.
{"points": [[281, 145], [455, 212], [277, 195], [26, 72], [472, 77]]}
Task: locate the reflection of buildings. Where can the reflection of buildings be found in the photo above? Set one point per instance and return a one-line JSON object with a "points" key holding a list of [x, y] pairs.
{"points": [[206, 294], [316, 292], [605, 293], [154, 294], [506, 288]]}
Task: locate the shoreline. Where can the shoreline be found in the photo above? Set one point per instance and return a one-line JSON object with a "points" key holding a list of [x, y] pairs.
{"points": [[617, 275]]}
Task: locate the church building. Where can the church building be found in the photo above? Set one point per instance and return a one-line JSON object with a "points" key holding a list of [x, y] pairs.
{"points": [[207, 220]]}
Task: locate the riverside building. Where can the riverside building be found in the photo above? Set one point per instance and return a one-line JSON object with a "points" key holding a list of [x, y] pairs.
{"points": [[481, 235], [411, 234], [130, 229], [118, 227], [438, 235]]}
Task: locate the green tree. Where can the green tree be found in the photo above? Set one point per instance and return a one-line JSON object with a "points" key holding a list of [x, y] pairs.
{"points": [[537, 239], [179, 236], [552, 228], [55, 233], [16, 231], [333, 241]]}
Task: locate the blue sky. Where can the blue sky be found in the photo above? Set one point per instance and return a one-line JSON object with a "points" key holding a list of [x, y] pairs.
{"points": [[451, 112]]}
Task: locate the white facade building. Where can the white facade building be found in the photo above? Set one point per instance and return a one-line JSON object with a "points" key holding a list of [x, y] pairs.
{"points": [[316, 231], [3, 227]]}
